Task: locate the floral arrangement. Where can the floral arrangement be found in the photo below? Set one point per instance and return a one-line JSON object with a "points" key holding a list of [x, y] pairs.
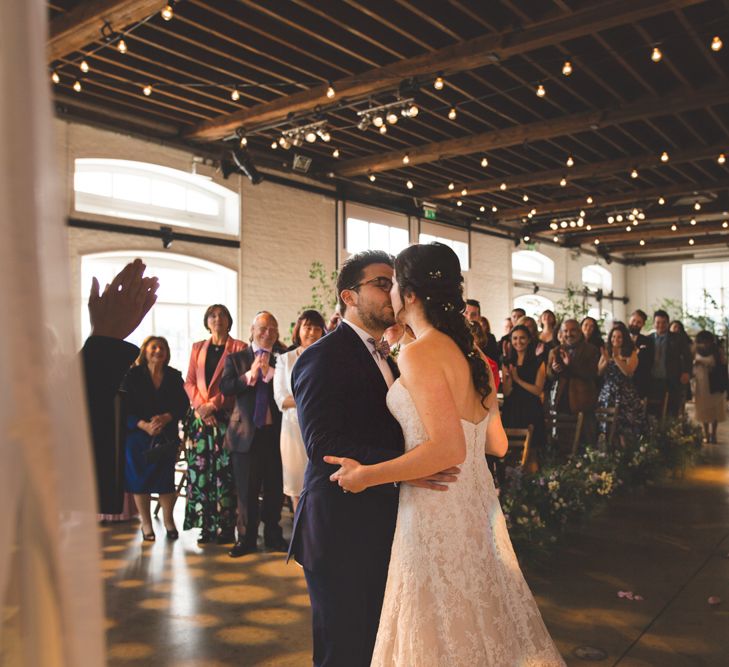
{"points": [[537, 507]]}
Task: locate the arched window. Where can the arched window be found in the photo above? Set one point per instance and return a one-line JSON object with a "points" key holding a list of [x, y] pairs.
{"points": [[532, 266], [143, 191], [187, 286], [533, 304], [605, 316], [597, 277]]}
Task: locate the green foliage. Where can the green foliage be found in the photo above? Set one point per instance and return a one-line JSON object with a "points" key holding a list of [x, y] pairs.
{"points": [[323, 291], [573, 306], [695, 322]]}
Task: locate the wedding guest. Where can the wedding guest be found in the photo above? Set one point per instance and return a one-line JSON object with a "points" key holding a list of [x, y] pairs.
{"points": [[540, 349], [114, 314], [617, 364], [334, 320], [507, 326], [591, 331], [644, 346], [308, 329], [676, 326], [254, 437], [397, 336], [473, 310], [710, 383], [505, 341], [548, 334], [155, 401], [211, 501], [672, 362], [523, 383], [479, 340], [492, 346]]}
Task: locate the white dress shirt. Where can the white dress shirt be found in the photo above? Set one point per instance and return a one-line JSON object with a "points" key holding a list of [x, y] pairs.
{"points": [[376, 358]]}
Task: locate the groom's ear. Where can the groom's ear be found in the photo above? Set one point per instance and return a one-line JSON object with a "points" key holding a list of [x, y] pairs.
{"points": [[348, 296]]}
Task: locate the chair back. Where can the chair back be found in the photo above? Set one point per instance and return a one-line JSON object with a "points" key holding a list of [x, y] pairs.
{"points": [[519, 451], [609, 417], [564, 432]]}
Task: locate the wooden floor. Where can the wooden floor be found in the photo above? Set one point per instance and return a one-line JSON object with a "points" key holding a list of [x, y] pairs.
{"points": [[180, 605]]}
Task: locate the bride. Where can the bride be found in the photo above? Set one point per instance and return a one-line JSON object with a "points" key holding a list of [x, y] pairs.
{"points": [[455, 594]]}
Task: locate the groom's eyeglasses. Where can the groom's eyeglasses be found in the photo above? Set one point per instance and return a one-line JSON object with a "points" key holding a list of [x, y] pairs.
{"points": [[385, 284]]}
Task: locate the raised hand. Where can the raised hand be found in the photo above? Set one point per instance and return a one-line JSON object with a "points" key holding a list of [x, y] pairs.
{"points": [[118, 311]]}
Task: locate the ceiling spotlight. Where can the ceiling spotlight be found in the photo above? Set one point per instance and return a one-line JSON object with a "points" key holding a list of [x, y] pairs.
{"points": [[459, 203], [610, 220], [451, 186], [656, 55], [502, 186], [482, 209], [563, 224], [84, 67], [597, 241], [664, 157], [582, 213], [618, 218], [631, 217], [721, 159], [494, 208], [147, 90], [310, 136], [364, 123], [77, 86], [243, 141], [641, 216], [567, 68], [673, 228], [413, 111], [697, 206], [541, 92], [642, 242], [406, 159], [55, 78], [452, 113], [392, 118], [274, 144], [691, 241], [573, 224], [525, 197], [335, 152], [563, 182], [167, 12], [383, 129], [527, 238], [243, 161], [570, 161], [285, 143], [553, 225], [121, 46], [693, 221], [580, 222], [438, 83], [464, 192], [661, 201], [372, 178], [409, 185], [530, 215], [484, 162], [330, 91], [725, 224], [634, 173], [589, 228], [628, 228], [377, 121], [716, 43], [589, 199]]}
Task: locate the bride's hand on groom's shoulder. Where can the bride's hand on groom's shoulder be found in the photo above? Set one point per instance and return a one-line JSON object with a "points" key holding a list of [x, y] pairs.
{"points": [[437, 482], [350, 474]]}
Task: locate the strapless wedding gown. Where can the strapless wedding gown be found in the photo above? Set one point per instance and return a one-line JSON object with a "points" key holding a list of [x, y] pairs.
{"points": [[455, 594]]}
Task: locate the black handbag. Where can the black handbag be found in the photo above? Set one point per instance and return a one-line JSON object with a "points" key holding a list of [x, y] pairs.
{"points": [[160, 448]]}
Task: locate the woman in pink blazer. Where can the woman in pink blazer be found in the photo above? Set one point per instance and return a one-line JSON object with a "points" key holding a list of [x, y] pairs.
{"points": [[211, 501]]}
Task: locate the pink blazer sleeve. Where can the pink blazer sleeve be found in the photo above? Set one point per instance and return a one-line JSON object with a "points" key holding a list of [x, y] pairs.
{"points": [[193, 393]]}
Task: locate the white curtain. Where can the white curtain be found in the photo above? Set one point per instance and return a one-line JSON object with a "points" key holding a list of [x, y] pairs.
{"points": [[50, 588]]}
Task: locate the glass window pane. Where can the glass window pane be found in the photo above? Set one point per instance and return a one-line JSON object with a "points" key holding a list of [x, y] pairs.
{"points": [[399, 240], [198, 202], [94, 183], [169, 195], [357, 235], [132, 188], [379, 237]]}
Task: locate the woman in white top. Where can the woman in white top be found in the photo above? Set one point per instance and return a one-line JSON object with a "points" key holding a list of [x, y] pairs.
{"points": [[308, 329]]}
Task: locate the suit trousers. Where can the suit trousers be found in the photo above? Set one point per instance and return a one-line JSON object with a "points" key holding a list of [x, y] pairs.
{"points": [[264, 473]]}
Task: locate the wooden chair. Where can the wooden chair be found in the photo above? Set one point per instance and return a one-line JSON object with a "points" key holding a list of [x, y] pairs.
{"points": [[564, 432], [180, 478], [609, 417], [658, 407], [519, 452]]}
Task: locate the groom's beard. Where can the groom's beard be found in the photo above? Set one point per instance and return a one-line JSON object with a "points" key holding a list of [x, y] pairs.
{"points": [[377, 320]]}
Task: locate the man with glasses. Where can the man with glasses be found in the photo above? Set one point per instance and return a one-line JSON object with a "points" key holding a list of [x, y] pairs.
{"points": [[253, 437]]}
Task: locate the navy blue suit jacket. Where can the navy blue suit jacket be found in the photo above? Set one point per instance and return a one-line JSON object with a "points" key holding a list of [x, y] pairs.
{"points": [[340, 400]]}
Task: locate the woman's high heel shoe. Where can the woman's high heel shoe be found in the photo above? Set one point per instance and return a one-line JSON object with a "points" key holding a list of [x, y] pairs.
{"points": [[148, 537], [173, 534]]}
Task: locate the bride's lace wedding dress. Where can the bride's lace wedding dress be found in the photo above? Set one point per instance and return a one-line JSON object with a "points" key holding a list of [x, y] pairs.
{"points": [[455, 595]]}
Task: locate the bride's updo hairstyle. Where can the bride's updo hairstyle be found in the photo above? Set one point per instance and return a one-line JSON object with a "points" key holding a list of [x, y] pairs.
{"points": [[433, 273]]}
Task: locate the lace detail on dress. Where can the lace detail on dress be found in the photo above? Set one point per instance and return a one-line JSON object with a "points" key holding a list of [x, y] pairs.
{"points": [[455, 594]]}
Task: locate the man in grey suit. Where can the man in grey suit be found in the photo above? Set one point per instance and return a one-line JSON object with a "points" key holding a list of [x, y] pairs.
{"points": [[253, 438], [672, 363]]}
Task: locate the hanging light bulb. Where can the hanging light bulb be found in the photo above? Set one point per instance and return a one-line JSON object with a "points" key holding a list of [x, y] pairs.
{"points": [[392, 118], [406, 159], [693, 222], [628, 228], [84, 67], [721, 159], [656, 55], [451, 185], [697, 205], [597, 241], [377, 121], [484, 162], [634, 212], [664, 157], [482, 208], [167, 12], [563, 224], [541, 92], [589, 199], [555, 238], [691, 241], [147, 90], [55, 78], [372, 178], [567, 68], [502, 186], [570, 161], [274, 145], [122, 46], [77, 86], [527, 238], [618, 218], [494, 208], [383, 129], [335, 152], [439, 83], [553, 225], [330, 91], [725, 224], [661, 201], [673, 228], [716, 43], [563, 181], [452, 113], [459, 203], [634, 173], [464, 192], [642, 242], [533, 211], [409, 185], [641, 216], [525, 197], [413, 111], [235, 95], [310, 136], [243, 142], [589, 228], [610, 220], [580, 222]]}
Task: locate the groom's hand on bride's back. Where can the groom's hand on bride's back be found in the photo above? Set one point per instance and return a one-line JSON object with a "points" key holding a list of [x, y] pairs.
{"points": [[437, 482]]}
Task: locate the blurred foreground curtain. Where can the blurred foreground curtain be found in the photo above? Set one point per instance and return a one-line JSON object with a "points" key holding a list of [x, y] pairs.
{"points": [[50, 588]]}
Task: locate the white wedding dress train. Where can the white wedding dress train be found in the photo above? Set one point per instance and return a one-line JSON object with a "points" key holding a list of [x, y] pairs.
{"points": [[455, 594]]}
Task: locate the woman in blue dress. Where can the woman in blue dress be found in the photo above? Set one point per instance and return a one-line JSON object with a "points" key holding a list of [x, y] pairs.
{"points": [[155, 402]]}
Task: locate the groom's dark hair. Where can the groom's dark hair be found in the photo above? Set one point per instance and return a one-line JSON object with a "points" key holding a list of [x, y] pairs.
{"points": [[351, 272]]}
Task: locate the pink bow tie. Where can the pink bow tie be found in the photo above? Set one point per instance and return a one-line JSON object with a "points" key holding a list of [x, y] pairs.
{"points": [[382, 347]]}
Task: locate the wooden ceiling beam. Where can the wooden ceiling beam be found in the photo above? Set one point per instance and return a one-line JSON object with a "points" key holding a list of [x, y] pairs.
{"points": [[596, 170], [462, 56], [82, 25], [638, 233], [682, 100], [681, 243], [635, 196]]}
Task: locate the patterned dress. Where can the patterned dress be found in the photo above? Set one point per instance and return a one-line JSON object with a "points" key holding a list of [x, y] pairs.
{"points": [[618, 391]]}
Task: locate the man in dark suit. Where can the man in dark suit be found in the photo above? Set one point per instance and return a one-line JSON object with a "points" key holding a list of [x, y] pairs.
{"points": [[672, 363], [343, 540], [644, 345], [253, 438]]}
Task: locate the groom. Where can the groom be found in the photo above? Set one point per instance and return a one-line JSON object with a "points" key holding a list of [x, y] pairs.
{"points": [[343, 540]]}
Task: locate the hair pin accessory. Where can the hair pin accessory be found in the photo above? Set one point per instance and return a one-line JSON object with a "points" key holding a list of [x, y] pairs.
{"points": [[435, 274]]}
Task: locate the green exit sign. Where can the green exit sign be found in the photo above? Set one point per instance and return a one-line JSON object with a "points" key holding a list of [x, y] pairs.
{"points": [[429, 213]]}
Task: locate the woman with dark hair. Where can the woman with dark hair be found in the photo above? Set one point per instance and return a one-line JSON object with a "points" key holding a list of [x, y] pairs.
{"points": [[211, 500], [155, 401], [524, 374], [491, 348], [617, 364], [591, 332], [710, 384], [455, 594], [309, 328], [550, 327]]}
